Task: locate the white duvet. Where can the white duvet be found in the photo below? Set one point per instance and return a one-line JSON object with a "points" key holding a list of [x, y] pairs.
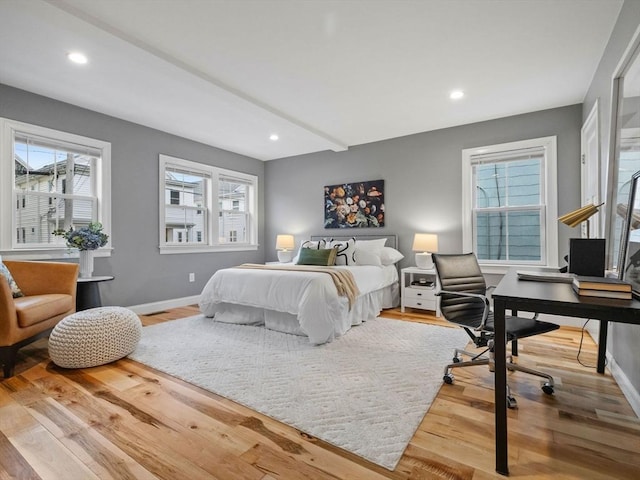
{"points": [[309, 296]]}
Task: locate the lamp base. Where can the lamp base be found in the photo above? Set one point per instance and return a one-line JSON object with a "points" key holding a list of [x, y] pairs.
{"points": [[285, 256], [424, 261]]}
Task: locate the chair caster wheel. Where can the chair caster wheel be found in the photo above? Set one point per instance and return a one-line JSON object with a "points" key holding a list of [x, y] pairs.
{"points": [[547, 388], [448, 378], [456, 359], [511, 402]]}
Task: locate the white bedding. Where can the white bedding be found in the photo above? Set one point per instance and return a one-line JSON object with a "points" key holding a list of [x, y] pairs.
{"points": [[303, 303]]}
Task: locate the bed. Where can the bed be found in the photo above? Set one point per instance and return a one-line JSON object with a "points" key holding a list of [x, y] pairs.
{"points": [[303, 302]]}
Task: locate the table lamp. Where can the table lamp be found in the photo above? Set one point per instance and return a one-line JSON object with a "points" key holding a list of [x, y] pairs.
{"points": [[425, 244], [583, 214], [284, 245], [586, 255]]}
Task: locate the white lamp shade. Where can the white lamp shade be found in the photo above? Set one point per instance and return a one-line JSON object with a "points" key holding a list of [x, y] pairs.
{"points": [[425, 242], [284, 242]]}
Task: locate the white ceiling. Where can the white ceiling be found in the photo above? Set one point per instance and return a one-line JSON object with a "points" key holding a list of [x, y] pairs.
{"points": [[323, 75]]}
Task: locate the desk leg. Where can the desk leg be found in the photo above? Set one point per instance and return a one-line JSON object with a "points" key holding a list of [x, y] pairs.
{"points": [[500, 389], [602, 345]]}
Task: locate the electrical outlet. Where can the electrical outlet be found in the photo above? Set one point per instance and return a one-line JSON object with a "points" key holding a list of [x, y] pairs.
{"points": [[192, 277]]}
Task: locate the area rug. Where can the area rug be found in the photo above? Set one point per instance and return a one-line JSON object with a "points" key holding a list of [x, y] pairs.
{"points": [[365, 392]]}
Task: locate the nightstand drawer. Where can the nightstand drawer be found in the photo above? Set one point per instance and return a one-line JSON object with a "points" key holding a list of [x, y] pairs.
{"points": [[425, 304], [420, 293]]}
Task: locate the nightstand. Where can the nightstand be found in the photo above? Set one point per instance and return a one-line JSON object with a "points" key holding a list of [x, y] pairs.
{"points": [[419, 289]]}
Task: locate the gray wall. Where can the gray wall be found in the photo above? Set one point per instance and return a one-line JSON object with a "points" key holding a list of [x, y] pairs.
{"points": [[422, 175], [623, 339], [142, 275]]}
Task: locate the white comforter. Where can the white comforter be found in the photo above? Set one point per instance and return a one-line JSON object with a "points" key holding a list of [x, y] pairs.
{"points": [[310, 296]]}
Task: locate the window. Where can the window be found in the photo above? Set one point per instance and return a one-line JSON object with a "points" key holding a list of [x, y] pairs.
{"points": [[509, 203], [205, 208], [624, 145], [55, 180]]}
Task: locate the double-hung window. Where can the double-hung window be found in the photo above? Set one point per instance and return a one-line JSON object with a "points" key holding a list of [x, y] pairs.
{"points": [[206, 208], [50, 180], [509, 203]]}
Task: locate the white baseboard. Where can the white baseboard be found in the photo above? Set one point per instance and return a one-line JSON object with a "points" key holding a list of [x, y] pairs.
{"points": [[630, 393], [147, 308], [628, 390]]}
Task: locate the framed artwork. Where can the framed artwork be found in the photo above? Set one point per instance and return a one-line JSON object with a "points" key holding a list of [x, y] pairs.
{"points": [[354, 205], [629, 259]]}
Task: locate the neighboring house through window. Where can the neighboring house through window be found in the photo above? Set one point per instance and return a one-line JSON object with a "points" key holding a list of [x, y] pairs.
{"points": [[510, 203], [50, 180], [206, 208]]}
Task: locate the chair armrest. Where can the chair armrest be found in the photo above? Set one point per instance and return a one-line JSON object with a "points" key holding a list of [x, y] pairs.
{"points": [[40, 278], [479, 296], [8, 316], [464, 294]]}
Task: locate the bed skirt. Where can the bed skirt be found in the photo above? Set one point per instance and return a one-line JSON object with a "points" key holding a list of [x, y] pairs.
{"points": [[366, 307]]}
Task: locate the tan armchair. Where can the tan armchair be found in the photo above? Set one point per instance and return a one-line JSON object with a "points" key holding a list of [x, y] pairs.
{"points": [[49, 295]]}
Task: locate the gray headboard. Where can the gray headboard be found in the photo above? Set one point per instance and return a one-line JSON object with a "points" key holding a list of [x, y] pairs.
{"points": [[392, 240]]}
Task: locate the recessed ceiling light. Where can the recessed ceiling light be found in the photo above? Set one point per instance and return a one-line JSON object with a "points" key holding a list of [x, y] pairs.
{"points": [[456, 94], [77, 57], [273, 137]]}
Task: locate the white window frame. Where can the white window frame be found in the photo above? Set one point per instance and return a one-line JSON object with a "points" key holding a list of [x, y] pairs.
{"points": [[550, 199], [213, 173], [8, 198]]}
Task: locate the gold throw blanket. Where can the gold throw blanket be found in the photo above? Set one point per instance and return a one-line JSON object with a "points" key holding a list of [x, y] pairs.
{"points": [[342, 279]]}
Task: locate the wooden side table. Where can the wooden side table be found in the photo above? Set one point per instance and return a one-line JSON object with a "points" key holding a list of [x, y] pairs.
{"points": [[88, 293]]}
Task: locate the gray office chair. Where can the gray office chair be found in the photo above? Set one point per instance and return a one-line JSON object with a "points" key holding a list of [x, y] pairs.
{"points": [[463, 301]]}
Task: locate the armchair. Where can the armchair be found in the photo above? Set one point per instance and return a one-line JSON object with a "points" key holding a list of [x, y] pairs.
{"points": [[463, 301], [49, 290]]}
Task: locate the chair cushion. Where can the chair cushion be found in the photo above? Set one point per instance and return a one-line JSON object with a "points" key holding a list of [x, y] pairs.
{"points": [[519, 327], [94, 337], [34, 309]]}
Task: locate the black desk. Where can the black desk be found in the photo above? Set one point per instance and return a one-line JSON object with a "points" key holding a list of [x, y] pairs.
{"points": [[88, 292], [551, 298]]}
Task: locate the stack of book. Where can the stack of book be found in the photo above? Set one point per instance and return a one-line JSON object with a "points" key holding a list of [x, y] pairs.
{"points": [[602, 287]]}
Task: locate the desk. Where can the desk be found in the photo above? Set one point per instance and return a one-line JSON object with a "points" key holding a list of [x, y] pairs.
{"points": [[550, 298], [88, 293]]}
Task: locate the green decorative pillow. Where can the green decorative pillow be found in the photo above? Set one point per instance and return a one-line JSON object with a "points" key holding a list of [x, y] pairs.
{"points": [[310, 256], [15, 290]]}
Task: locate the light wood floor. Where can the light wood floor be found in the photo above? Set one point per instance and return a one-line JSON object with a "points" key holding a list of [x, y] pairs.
{"points": [[126, 421]]}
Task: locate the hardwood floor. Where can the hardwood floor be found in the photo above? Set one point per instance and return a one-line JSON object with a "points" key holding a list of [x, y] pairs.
{"points": [[127, 421]]}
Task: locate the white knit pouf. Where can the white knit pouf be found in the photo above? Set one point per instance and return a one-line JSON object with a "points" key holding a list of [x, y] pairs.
{"points": [[94, 337]]}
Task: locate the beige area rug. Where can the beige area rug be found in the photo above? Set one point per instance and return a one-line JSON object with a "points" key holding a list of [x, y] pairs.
{"points": [[365, 392]]}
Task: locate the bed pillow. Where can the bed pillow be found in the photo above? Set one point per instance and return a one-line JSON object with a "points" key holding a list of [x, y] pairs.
{"points": [[310, 244], [346, 251], [311, 256], [15, 290], [315, 244], [368, 251], [389, 256]]}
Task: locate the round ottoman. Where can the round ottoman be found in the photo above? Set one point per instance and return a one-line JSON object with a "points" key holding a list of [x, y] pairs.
{"points": [[94, 337]]}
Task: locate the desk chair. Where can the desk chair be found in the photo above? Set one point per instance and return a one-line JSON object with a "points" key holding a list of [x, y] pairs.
{"points": [[463, 301]]}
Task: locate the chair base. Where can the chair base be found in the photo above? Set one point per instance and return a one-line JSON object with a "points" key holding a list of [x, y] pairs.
{"points": [[481, 359]]}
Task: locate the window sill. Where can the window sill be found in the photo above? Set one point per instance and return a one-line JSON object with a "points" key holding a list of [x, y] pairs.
{"points": [[172, 250], [503, 269], [50, 254]]}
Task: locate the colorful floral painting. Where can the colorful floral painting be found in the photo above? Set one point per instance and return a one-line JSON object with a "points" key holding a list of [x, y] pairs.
{"points": [[354, 205]]}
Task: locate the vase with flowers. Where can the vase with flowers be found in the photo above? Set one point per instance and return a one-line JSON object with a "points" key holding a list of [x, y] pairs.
{"points": [[86, 240]]}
